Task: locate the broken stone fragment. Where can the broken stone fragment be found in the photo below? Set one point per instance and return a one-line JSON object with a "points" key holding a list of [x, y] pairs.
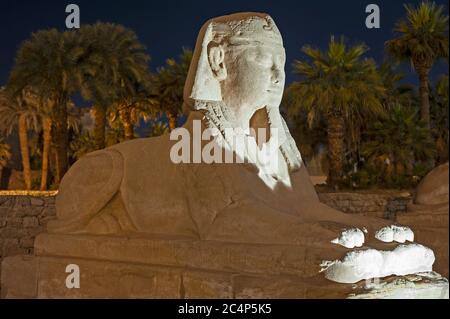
{"points": [[392, 233], [350, 238], [430, 285], [371, 263]]}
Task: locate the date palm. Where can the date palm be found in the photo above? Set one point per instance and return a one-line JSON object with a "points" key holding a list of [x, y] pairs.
{"points": [[439, 118], [15, 112], [5, 149], [112, 72], [396, 91], [44, 110], [310, 136], [46, 131], [47, 62], [5, 153], [82, 144], [343, 87], [398, 142], [168, 84], [422, 39], [128, 111], [157, 128]]}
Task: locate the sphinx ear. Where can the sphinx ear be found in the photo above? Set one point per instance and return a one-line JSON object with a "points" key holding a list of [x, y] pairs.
{"points": [[216, 59]]}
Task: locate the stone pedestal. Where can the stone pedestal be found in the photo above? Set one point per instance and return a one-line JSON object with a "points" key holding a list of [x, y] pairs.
{"points": [[163, 267]]}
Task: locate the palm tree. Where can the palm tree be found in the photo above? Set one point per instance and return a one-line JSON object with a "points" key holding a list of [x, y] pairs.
{"points": [[43, 109], [113, 71], [5, 153], [396, 92], [82, 144], [439, 118], [128, 111], [47, 62], [345, 88], [168, 84], [309, 136], [397, 142], [46, 130], [442, 89], [422, 38], [157, 128], [16, 112], [73, 122]]}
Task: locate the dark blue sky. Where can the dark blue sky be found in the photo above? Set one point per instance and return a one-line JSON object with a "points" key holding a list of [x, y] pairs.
{"points": [[167, 26]]}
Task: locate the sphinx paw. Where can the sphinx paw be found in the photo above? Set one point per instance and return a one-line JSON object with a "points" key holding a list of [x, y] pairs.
{"points": [[360, 264], [396, 233], [350, 238]]}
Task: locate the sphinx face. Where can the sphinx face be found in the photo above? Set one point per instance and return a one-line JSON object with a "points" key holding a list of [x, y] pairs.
{"points": [[255, 77]]}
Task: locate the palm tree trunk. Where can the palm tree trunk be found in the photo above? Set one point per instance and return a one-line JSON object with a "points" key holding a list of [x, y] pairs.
{"points": [[61, 138], [99, 127], [172, 120], [336, 149], [389, 170], [424, 96], [125, 117], [399, 169], [57, 169], [47, 126], [25, 153], [410, 168]]}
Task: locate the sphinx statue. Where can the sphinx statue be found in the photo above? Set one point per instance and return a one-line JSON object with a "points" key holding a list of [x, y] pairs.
{"points": [[236, 80], [428, 212]]}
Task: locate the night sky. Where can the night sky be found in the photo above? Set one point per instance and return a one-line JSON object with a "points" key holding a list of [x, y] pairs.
{"points": [[167, 26]]}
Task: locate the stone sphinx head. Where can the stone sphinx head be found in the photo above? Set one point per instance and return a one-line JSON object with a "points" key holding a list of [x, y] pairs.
{"points": [[238, 60], [237, 78]]}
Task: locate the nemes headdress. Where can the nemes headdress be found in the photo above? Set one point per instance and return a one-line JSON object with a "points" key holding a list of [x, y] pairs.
{"points": [[251, 30], [234, 30], [202, 90]]}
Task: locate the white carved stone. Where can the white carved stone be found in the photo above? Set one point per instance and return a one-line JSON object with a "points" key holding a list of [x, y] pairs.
{"points": [[350, 238], [373, 263]]}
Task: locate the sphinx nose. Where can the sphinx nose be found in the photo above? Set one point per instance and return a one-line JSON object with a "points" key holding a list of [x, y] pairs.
{"points": [[277, 75]]}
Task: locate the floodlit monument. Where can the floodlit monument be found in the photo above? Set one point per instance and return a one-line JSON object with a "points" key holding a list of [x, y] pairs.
{"points": [[140, 220]]}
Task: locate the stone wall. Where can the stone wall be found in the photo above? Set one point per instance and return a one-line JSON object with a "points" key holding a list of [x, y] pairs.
{"points": [[21, 219], [383, 204]]}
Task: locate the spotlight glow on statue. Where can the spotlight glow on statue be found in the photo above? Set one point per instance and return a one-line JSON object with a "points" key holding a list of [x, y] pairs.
{"points": [[221, 147], [238, 84]]}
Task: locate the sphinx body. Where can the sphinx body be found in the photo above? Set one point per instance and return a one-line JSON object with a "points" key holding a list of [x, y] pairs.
{"points": [[428, 215], [135, 187]]}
